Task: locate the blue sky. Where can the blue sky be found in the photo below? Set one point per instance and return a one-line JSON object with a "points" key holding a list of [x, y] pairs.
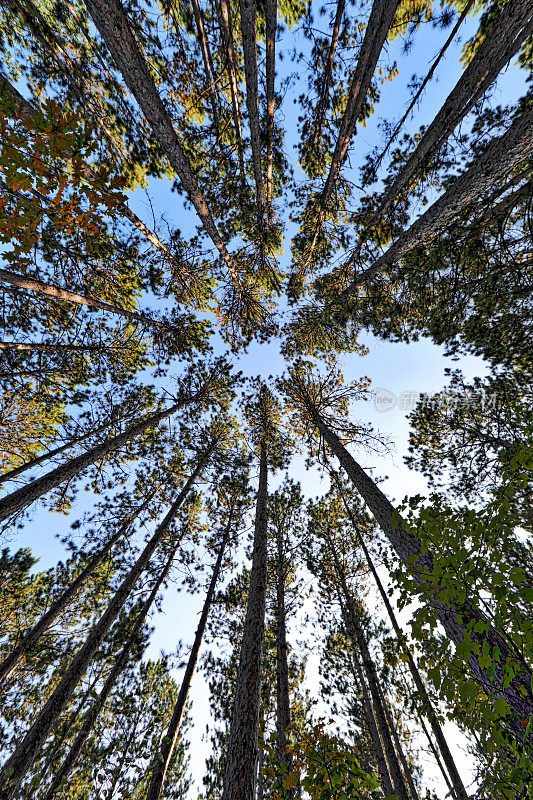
{"points": [[396, 368]]}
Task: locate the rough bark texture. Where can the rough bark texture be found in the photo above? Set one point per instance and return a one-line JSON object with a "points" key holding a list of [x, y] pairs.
{"points": [[35, 285], [241, 760], [326, 79], [111, 21], [426, 80], [249, 46], [271, 14], [383, 769], [283, 709], [13, 473], [376, 32], [226, 29], [427, 705], [161, 763], [120, 663], [32, 491], [518, 695], [16, 767], [508, 34], [498, 160]]}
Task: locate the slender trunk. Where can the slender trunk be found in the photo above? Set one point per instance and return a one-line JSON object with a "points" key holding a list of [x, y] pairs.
{"points": [[28, 110], [356, 633], [271, 15], [48, 289], [376, 33], [397, 743], [13, 473], [162, 761], [111, 21], [241, 762], [283, 710], [31, 638], [383, 769], [326, 79], [249, 46], [427, 705], [52, 347], [124, 751], [436, 754], [260, 777], [498, 160], [226, 29], [208, 64], [425, 82], [118, 667], [454, 619], [503, 41], [37, 488], [16, 767]]}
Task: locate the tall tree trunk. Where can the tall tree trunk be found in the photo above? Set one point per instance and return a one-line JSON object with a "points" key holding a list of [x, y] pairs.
{"points": [[49, 290], [161, 763], [34, 462], [498, 160], [28, 110], [37, 488], [271, 20], [376, 33], [16, 767], [437, 756], [454, 619], [383, 767], [427, 705], [31, 638], [118, 667], [357, 635], [208, 64], [241, 760], [56, 347], [316, 135], [283, 709], [226, 29], [249, 46], [502, 42], [398, 745], [111, 21], [425, 82]]}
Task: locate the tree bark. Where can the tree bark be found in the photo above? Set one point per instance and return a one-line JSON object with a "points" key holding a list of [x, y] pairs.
{"points": [[48, 289], [161, 763], [376, 33], [397, 743], [283, 709], [208, 64], [226, 29], [498, 160], [427, 705], [271, 19], [454, 619], [241, 762], [249, 46], [119, 665], [504, 40], [37, 488], [51, 347], [13, 473], [111, 21], [58, 606], [326, 80], [16, 767]]}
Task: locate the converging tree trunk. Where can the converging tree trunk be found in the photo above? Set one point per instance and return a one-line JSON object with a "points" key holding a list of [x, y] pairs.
{"points": [[271, 19], [31, 638], [226, 29], [241, 760], [37, 488], [161, 762], [454, 619], [316, 134], [119, 665], [208, 64], [16, 767], [283, 708], [249, 46]]}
